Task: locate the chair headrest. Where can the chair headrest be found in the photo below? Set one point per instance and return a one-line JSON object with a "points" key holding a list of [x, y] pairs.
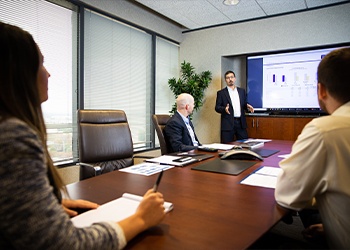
{"points": [[162, 119], [101, 116]]}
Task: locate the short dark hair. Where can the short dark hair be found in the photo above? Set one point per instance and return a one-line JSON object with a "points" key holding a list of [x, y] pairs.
{"points": [[334, 73], [230, 72]]}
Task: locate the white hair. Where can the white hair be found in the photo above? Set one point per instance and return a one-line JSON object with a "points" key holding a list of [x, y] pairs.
{"points": [[183, 99]]}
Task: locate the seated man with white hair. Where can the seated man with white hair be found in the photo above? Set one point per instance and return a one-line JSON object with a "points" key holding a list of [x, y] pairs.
{"points": [[179, 131]]}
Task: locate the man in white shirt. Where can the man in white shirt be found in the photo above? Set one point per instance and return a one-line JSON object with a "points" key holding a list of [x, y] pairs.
{"points": [[179, 131], [317, 173], [231, 103]]}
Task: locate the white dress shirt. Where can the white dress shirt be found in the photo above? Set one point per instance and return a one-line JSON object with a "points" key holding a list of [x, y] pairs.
{"points": [[318, 169], [235, 101]]}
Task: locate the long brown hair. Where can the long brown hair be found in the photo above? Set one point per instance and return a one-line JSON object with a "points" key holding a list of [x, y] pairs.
{"points": [[19, 93]]}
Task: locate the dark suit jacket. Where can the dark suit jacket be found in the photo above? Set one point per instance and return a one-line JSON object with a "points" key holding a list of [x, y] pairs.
{"points": [[222, 99], [176, 134]]}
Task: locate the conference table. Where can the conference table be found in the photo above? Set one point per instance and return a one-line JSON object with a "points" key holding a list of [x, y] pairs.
{"points": [[211, 210]]}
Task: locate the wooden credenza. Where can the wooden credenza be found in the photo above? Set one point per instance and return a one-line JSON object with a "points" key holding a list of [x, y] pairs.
{"points": [[276, 127]]}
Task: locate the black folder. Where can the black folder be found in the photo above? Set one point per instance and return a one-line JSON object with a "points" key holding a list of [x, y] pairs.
{"points": [[265, 152], [232, 167]]}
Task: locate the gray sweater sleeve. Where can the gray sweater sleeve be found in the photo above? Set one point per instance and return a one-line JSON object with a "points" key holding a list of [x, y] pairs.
{"points": [[31, 216]]}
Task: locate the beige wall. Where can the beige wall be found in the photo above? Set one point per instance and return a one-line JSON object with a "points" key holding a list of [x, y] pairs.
{"points": [[205, 49]]}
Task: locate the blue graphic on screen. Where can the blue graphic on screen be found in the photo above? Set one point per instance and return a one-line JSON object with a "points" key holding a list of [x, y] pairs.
{"points": [[255, 81]]}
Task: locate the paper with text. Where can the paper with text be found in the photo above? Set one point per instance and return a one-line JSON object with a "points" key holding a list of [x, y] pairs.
{"points": [[263, 177], [146, 168], [115, 211]]}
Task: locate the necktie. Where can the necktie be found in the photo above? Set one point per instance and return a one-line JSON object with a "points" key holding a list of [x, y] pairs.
{"points": [[190, 130]]}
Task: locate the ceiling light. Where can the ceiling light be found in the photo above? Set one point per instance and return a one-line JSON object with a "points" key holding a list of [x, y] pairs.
{"points": [[231, 2]]}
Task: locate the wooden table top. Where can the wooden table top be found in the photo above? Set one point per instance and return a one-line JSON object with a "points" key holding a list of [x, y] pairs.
{"points": [[211, 210]]}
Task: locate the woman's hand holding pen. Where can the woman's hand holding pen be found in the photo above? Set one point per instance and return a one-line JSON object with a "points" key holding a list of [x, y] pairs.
{"points": [[151, 208], [149, 213]]}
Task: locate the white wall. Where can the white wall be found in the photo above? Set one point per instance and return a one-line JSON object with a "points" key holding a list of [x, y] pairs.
{"points": [[205, 49]]}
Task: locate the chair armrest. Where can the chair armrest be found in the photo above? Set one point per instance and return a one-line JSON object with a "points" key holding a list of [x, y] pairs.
{"points": [[88, 170]]}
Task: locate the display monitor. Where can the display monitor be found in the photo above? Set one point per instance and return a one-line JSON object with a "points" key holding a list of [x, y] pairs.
{"points": [[285, 82]]}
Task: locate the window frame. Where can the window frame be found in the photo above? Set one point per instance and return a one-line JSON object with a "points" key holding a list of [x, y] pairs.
{"points": [[78, 71]]}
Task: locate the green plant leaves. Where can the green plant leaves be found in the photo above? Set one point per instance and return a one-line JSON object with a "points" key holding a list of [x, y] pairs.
{"points": [[191, 83]]}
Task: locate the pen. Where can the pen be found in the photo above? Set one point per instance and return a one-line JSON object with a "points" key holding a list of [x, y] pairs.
{"points": [[155, 187]]}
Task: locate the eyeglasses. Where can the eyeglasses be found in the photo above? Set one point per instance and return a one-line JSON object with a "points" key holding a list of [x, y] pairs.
{"points": [[229, 77]]}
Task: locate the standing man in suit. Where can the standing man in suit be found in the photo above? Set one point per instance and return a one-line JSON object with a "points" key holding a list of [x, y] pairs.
{"points": [[231, 103], [179, 131]]}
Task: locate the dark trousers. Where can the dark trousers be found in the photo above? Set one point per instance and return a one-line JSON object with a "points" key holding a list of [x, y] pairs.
{"points": [[237, 133], [309, 217]]}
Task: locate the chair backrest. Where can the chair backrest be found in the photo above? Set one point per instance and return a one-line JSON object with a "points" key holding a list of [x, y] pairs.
{"points": [[105, 139], [159, 122]]}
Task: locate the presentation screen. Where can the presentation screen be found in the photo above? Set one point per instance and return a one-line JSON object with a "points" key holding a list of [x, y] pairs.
{"points": [[285, 82]]}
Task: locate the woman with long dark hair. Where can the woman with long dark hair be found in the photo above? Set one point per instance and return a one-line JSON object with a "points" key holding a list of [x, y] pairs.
{"points": [[32, 211]]}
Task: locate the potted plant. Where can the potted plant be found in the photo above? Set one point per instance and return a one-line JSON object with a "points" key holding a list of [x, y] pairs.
{"points": [[191, 83]]}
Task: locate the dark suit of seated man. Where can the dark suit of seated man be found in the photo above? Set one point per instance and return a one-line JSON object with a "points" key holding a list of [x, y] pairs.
{"points": [[179, 131]]}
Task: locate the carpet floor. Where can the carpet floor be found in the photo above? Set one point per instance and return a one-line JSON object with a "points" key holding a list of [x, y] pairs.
{"points": [[286, 236]]}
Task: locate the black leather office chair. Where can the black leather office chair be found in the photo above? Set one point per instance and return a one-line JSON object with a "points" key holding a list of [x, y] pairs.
{"points": [[105, 142], [159, 122]]}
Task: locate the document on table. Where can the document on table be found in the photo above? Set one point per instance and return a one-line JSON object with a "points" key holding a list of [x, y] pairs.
{"points": [[284, 156], [263, 177], [178, 161], [115, 210], [146, 168], [256, 140], [219, 146]]}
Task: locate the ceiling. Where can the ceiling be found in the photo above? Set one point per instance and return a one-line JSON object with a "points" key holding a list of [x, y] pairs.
{"points": [[199, 14]]}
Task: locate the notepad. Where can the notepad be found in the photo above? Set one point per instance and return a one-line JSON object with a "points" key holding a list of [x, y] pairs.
{"points": [[263, 177], [115, 210]]}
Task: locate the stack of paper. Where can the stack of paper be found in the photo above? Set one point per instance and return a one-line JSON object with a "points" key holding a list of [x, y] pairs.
{"points": [[263, 177]]}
